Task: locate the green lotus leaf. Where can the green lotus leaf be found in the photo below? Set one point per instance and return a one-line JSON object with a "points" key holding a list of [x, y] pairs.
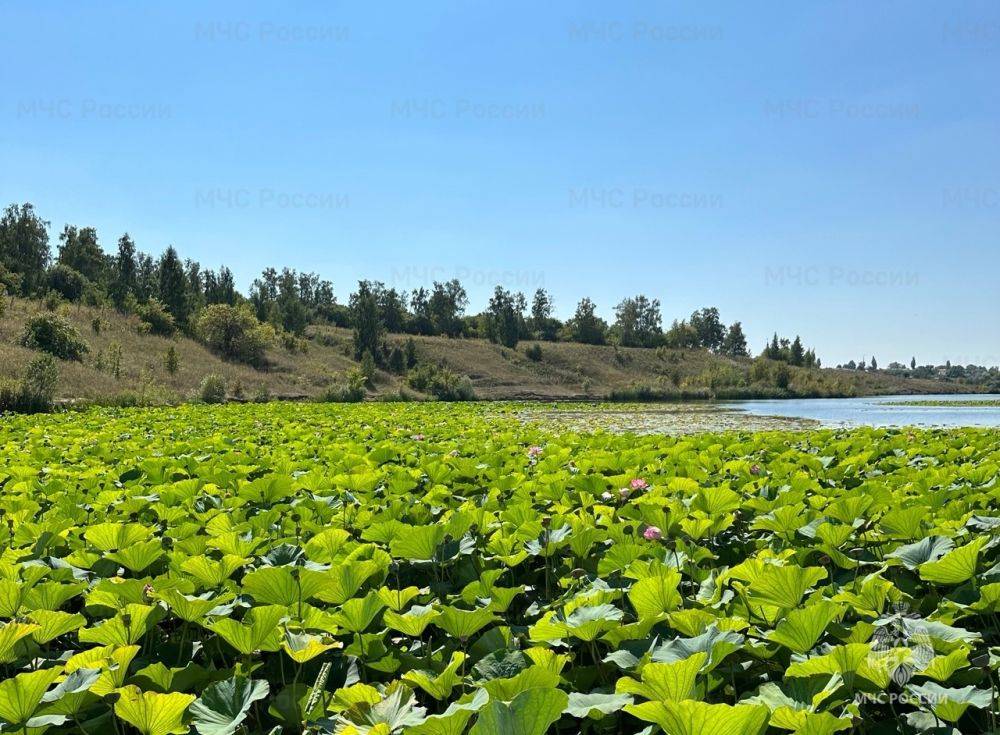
{"points": [[152, 713], [463, 624], [665, 681], [700, 718], [223, 706], [259, 630], [950, 703], [437, 685], [21, 695], [595, 705], [955, 567], [654, 596], [920, 552], [803, 627], [531, 712]]}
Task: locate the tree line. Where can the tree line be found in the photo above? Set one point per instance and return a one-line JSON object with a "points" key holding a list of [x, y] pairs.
{"points": [[169, 293]]}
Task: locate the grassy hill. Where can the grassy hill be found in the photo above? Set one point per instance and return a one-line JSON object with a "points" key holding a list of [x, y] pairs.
{"points": [[562, 371]]}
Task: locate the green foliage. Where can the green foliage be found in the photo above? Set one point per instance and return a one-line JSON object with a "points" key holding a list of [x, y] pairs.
{"points": [[35, 392], [235, 333], [171, 362], [157, 320], [212, 389], [350, 388], [55, 335], [533, 352], [441, 383], [413, 568]]}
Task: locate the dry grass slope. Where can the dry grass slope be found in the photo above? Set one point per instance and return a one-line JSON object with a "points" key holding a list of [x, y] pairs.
{"points": [[565, 371]]}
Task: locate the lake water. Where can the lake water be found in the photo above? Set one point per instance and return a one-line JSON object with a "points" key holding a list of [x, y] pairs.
{"points": [[877, 411], [804, 413]]}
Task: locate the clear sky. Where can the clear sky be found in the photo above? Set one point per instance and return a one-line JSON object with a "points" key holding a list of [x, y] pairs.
{"points": [[827, 167]]}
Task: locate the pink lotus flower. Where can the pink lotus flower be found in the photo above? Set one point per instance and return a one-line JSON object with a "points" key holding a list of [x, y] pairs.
{"points": [[638, 484], [417, 437], [534, 452], [652, 533], [755, 469]]}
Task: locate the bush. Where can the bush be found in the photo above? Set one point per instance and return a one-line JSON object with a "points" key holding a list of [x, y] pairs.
{"points": [[397, 361], [262, 394], [67, 282], [349, 390], [170, 361], [441, 383], [533, 352], [53, 334], [35, 392], [212, 389], [156, 318], [235, 333], [368, 369]]}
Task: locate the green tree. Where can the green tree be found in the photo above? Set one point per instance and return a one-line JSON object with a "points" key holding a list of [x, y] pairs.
{"points": [[638, 322], [586, 326], [170, 361], [503, 317], [711, 332], [368, 331], [124, 272], [543, 325], [173, 286], [234, 332], [24, 248], [796, 353], [78, 249], [446, 306], [735, 342]]}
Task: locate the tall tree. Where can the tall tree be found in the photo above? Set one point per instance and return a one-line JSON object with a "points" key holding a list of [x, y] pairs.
{"points": [[543, 325], [586, 326], [367, 325], [173, 286], [707, 324], [446, 306], [638, 322], [421, 323], [796, 353], [503, 317], [124, 272], [24, 248], [735, 342], [78, 249]]}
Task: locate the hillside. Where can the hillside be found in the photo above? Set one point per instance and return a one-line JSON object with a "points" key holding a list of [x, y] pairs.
{"points": [[563, 371]]}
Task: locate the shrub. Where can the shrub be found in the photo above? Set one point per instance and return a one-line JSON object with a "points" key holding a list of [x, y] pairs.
{"points": [[397, 361], [262, 394], [170, 360], [95, 325], [52, 301], [351, 389], [212, 389], [533, 352], [410, 353], [67, 282], [441, 383], [235, 333], [157, 318], [35, 392], [54, 335], [368, 369]]}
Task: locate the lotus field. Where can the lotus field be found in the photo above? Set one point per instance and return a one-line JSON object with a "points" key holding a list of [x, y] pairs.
{"points": [[447, 569]]}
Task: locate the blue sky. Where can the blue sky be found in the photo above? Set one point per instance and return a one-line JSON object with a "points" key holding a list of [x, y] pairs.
{"points": [[828, 168]]}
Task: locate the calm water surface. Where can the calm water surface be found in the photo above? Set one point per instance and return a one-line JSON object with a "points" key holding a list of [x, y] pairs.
{"points": [[876, 411]]}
